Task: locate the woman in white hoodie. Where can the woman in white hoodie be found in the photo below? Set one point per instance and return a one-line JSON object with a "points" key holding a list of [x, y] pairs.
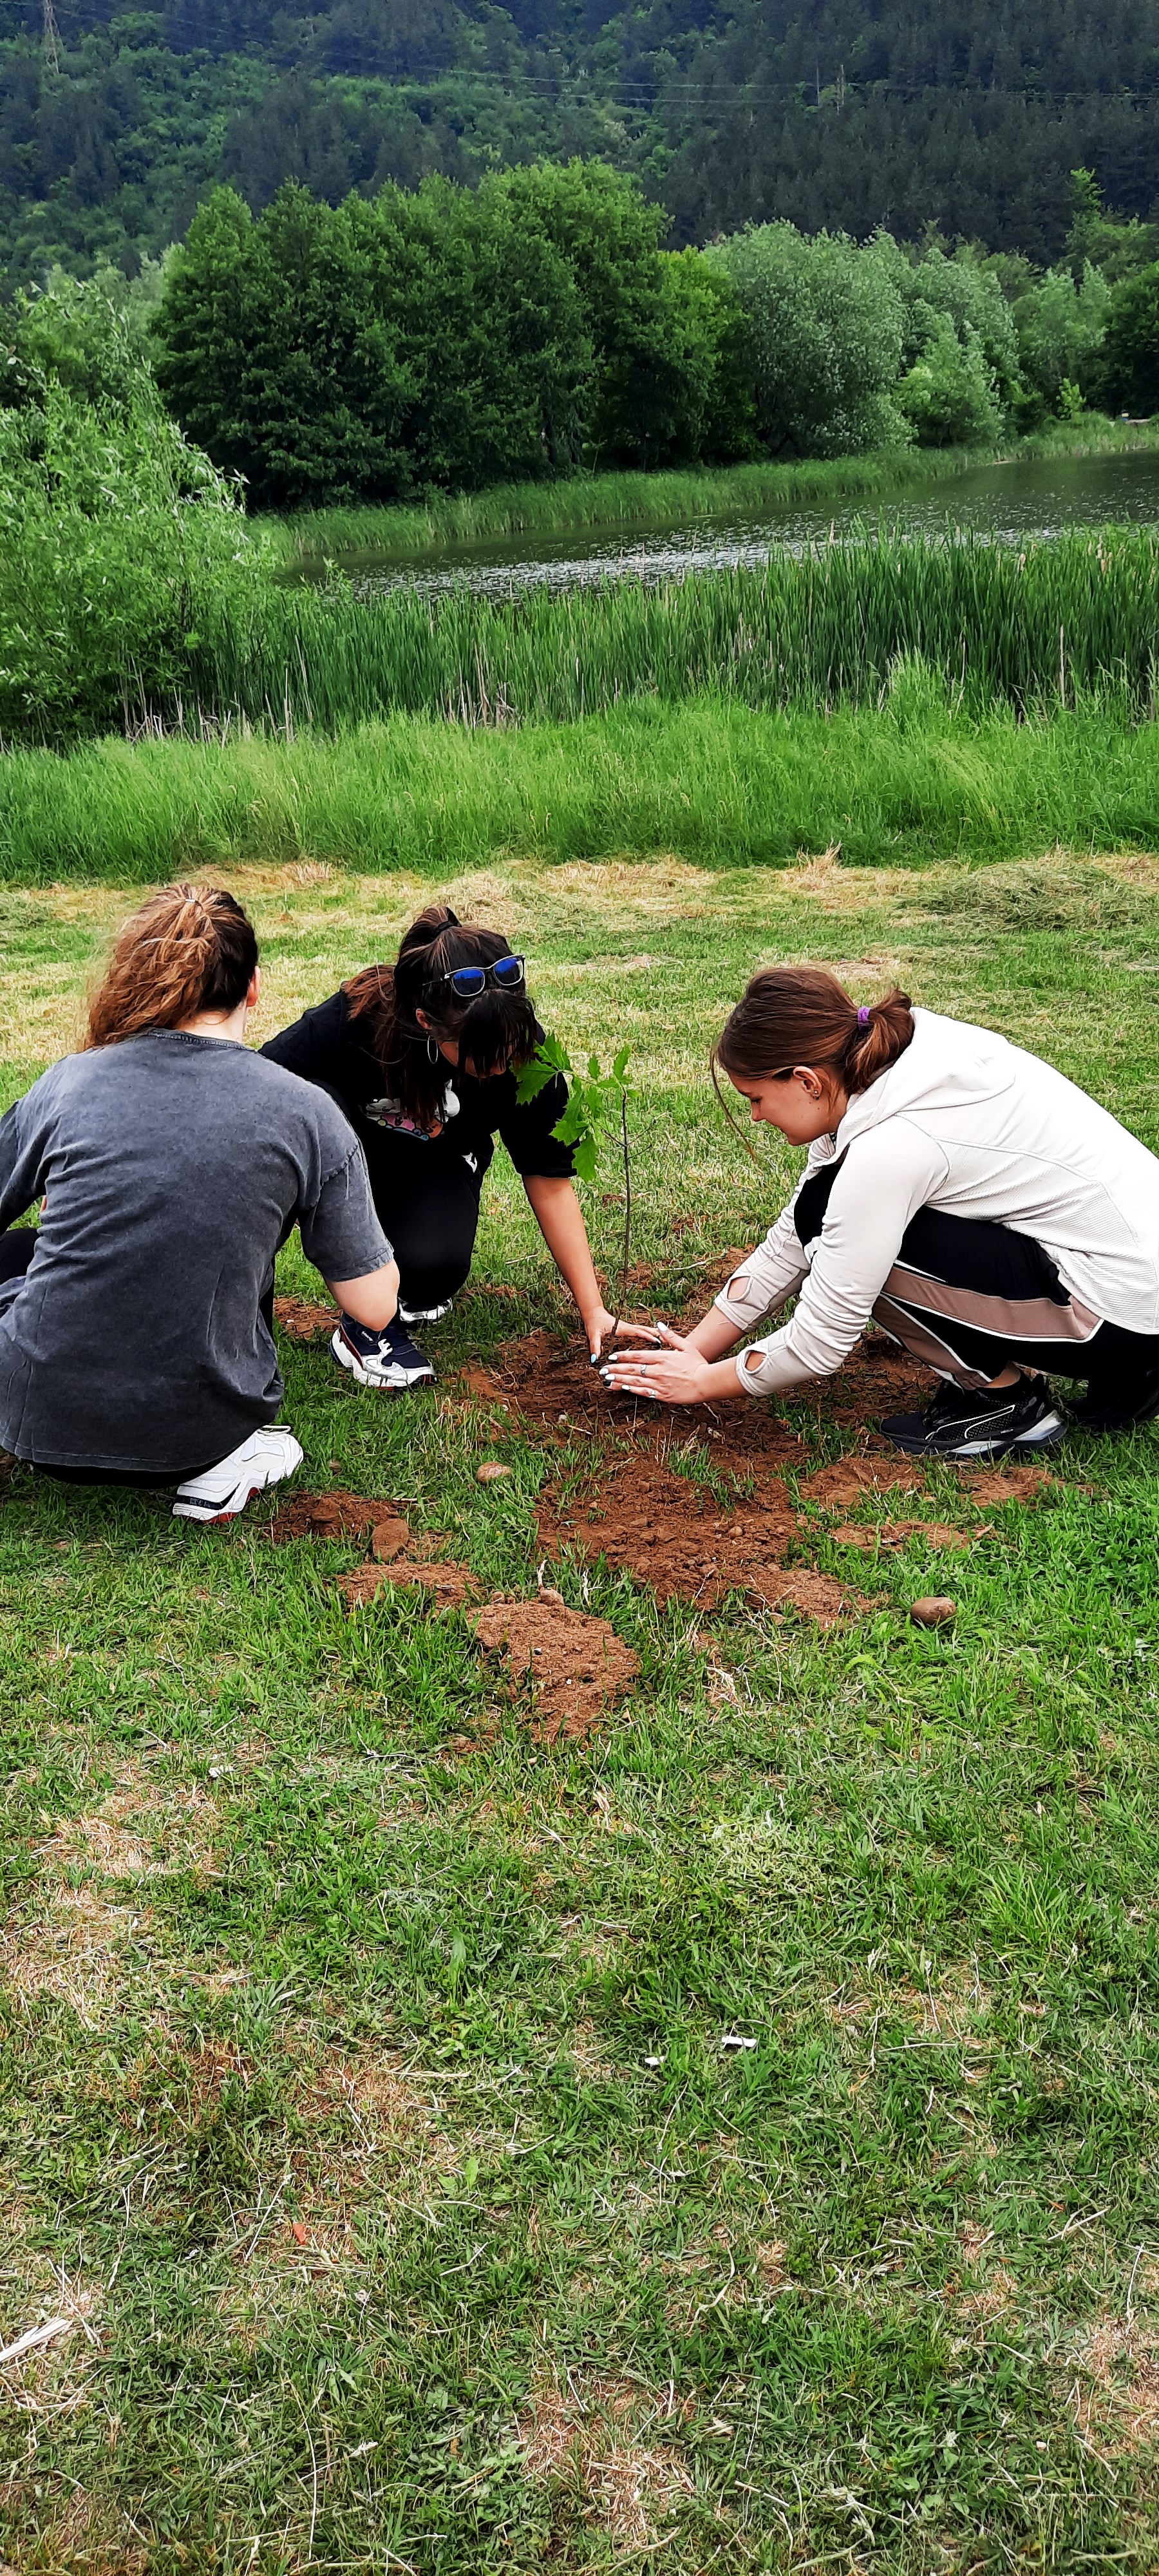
{"points": [[982, 1209]]}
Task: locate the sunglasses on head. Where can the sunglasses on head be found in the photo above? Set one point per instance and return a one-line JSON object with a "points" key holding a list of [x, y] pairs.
{"points": [[469, 981]]}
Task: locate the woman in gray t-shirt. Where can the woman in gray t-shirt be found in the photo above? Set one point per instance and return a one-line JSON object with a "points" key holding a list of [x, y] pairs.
{"points": [[135, 1340]]}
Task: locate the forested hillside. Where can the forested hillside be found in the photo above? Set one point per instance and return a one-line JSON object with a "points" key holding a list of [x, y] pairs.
{"points": [[960, 114]]}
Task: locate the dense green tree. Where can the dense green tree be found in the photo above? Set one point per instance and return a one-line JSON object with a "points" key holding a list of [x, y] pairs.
{"points": [[826, 325], [1060, 322], [948, 395], [1129, 371]]}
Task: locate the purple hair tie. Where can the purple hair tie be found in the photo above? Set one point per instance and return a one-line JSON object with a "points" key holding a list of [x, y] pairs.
{"points": [[863, 1017]]}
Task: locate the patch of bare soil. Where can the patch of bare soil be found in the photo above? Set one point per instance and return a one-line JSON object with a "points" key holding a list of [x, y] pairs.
{"points": [[673, 1534], [549, 1380], [851, 1479], [893, 1535], [574, 1666], [301, 1320], [341, 1515], [1007, 1484], [449, 1585]]}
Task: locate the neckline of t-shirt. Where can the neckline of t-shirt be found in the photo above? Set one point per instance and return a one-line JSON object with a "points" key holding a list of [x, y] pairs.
{"points": [[192, 1037]]}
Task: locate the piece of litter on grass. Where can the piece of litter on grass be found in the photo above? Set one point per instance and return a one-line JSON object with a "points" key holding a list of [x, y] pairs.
{"points": [[653, 2061], [732, 2039], [300, 2233], [34, 2336]]}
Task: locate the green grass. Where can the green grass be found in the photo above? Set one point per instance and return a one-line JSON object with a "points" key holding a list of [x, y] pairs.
{"points": [[330, 2000], [657, 500], [910, 783], [1038, 627]]}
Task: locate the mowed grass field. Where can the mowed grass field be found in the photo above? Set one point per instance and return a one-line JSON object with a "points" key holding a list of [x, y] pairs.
{"points": [[366, 2116]]}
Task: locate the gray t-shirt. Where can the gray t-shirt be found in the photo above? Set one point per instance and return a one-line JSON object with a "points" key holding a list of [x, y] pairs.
{"points": [[174, 1166]]}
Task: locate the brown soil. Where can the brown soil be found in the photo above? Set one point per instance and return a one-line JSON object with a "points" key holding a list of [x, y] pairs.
{"points": [[852, 1478], [449, 1585], [896, 1534], [575, 1667], [301, 1321], [820, 1597], [341, 1515], [1007, 1484], [664, 1530]]}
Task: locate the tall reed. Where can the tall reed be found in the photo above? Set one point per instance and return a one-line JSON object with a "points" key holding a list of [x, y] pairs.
{"points": [[1044, 626]]}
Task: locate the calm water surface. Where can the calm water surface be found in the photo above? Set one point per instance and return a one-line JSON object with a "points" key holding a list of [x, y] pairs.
{"points": [[1000, 501]]}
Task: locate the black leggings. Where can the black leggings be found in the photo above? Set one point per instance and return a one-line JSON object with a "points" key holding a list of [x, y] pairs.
{"points": [[970, 1298], [432, 1225]]}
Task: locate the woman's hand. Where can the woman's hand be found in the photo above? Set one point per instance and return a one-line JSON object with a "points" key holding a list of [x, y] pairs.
{"points": [[600, 1327], [678, 1374]]}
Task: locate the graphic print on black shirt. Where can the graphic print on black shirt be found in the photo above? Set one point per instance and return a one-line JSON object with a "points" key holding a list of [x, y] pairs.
{"points": [[327, 1046]]}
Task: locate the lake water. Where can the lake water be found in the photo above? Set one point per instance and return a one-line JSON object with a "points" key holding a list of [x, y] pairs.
{"points": [[1001, 501]]}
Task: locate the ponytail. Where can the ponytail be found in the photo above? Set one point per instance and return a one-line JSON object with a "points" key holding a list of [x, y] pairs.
{"points": [[188, 949], [801, 1015], [497, 1030]]}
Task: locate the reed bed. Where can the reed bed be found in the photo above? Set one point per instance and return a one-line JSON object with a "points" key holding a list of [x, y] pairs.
{"points": [[1046, 626], [662, 500]]}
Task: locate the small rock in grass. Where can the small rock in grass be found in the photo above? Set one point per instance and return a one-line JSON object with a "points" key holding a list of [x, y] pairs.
{"points": [[491, 1472], [935, 1611], [388, 1539]]}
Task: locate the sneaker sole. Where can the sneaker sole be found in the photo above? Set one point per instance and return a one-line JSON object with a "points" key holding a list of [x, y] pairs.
{"points": [[400, 1385]]}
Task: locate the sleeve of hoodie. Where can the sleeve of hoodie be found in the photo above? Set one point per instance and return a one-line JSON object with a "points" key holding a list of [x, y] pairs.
{"points": [[887, 1176], [775, 1270]]}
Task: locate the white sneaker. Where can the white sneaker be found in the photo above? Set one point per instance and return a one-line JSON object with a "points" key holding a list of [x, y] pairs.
{"points": [[224, 1490]]}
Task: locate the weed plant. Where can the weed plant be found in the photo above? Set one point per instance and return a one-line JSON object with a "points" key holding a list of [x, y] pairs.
{"points": [[908, 783], [366, 2113]]}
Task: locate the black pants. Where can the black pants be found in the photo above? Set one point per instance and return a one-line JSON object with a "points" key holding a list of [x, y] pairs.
{"points": [[432, 1225], [969, 1298]]}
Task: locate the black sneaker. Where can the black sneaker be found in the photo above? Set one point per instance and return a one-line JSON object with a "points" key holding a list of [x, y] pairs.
{"points": [[423, 1314], [980, 1422], [1118, 1413], [389, 1363]]}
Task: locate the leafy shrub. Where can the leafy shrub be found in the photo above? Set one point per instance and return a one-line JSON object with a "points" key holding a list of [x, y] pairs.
{"points": [[948, 397], [825, 323], [1060, 322], [118, 542]]}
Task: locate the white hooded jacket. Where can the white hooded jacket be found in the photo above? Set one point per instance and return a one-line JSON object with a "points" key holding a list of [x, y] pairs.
{"points": [[967, 1123]]}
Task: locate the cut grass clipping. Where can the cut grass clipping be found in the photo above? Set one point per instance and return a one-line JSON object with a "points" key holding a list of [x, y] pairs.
{"points": [[686, 2094]]}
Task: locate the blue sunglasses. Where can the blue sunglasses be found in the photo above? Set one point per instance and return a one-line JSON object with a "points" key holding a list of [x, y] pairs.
{"points": [[469, 981]]}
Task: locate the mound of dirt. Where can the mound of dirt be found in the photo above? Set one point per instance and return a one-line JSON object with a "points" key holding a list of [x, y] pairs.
{"points": [[574, 1666], [449, 1585], [667, 1531], [301, 1321], [341, 1515]]}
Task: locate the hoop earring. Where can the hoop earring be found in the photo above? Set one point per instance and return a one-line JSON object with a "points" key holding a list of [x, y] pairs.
{"points": [[432, 1050]]}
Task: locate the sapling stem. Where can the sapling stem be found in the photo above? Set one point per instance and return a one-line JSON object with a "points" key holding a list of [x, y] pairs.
{"points": [[627, 1198]]}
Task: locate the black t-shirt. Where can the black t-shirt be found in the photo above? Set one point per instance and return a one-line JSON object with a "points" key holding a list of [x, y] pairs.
{"points": [[330, 1046]]}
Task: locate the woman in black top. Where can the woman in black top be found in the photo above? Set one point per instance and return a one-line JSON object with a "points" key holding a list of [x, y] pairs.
{"points": [[423, 1057]]}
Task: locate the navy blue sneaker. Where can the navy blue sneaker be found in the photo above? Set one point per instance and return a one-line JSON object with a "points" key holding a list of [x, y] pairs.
{"points": [[423, 1314], [389, 1363]]}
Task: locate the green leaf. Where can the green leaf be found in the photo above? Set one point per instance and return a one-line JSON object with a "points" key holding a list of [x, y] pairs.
{"points": [[586, 1158], [531, 1079]]}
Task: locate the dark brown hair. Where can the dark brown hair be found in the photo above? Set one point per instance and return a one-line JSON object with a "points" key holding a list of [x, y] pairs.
{"points": [[494, 1032], [801, 1015], [188, 949]]}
